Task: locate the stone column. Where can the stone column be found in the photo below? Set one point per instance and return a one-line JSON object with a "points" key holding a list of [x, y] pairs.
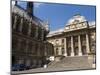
{"points": [[87, 44], [15, 20], [29, 31], [72, 46], [65, 47], [60, 48], [55, 51], [79, 46], [21, 25], [54, 47]]}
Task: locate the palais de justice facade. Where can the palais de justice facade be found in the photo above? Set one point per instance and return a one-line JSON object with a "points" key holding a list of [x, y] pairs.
{"points": [[77, 38], [29, 45]]}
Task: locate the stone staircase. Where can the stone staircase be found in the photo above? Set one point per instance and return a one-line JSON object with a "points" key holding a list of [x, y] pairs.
{"points": [[81, 62]]}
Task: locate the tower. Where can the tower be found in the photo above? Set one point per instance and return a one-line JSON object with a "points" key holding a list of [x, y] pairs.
{"points": [[30, 8]]}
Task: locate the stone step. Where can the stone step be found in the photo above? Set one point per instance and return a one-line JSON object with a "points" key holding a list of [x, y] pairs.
{"points": [[72, 62]]}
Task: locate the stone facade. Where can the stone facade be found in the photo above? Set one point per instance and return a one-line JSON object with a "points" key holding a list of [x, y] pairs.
{"points": [[78, 38], [29, 45]]}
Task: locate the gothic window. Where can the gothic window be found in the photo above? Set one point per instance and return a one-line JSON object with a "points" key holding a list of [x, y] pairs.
{"points": [[33, 30], [25, 27], [18, 23]]}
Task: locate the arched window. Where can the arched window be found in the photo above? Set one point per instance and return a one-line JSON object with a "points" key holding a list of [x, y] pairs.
{"points": [[62, 41], [63, 52], [33, 30]]}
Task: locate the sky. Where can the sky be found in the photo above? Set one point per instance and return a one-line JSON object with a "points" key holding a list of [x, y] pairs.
{"points": [[58, 14]]}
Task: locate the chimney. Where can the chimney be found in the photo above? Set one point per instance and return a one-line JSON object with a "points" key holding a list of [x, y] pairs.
{"points": [[30, 8]]}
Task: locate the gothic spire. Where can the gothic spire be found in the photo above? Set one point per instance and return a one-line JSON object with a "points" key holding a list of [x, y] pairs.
{"points": [[30, 8]]}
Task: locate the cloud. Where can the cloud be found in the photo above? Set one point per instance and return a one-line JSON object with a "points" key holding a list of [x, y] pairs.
{"points": [[37, 5]]}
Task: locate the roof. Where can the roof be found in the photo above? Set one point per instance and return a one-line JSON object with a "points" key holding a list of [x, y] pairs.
{"points": [[92, 24], [22, 12], [56, 32]]}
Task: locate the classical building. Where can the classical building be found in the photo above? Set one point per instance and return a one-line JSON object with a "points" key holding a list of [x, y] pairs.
{"points": [[77, 38], [29, 45]]}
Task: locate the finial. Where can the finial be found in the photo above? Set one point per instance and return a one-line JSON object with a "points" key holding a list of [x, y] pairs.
{"points": [[47, 25]]}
